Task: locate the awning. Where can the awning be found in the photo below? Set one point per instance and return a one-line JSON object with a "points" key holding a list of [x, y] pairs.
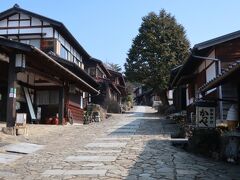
{"points": [[46, 61], [187, 69], [79, 81]]}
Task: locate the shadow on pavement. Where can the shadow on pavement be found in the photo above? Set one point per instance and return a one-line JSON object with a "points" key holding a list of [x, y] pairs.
{"points": [[160, 160], [154, 162]]}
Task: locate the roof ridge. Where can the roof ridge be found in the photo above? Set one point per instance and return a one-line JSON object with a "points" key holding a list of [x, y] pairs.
{"points": [[16, 9], [217, 40]]}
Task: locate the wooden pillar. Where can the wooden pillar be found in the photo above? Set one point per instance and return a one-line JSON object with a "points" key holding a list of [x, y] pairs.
{"points": [[238, 102], [61, 105], [11, 96], [219, 90]]}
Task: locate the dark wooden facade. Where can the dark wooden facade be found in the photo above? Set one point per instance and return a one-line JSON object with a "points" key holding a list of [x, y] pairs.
{"points": [[111, 88], [43, 71], [206, 62]]}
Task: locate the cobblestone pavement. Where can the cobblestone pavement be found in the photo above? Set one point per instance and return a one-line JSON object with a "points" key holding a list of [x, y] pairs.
{"points": [[130, 146]]}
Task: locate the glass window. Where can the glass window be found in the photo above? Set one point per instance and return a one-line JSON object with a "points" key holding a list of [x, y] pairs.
{"points": [[80, 58], [63, 52], [35, 42], [25, 41], [99, 73], [75, 60], [92, 72], [70, 58], [48, 45]]}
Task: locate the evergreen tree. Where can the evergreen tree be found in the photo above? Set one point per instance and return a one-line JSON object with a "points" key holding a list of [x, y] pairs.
{"points": [[160, 45], [114, 67]]}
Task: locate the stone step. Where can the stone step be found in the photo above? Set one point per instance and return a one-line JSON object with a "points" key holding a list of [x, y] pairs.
{"points": [[121, 134], [114, 139], [74, 172], [93, 164], [98, 151], [92, 158], [106, 145], [126, 127], [121, 130]]}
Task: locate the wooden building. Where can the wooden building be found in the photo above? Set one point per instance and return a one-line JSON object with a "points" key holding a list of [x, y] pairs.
{"points": [[118, 80], [107, 88], [178, 92], [209, 60], [41, 69], [144, 95]]}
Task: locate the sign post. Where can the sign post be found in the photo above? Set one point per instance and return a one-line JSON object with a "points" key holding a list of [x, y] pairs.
{"points": [[205, 115]]}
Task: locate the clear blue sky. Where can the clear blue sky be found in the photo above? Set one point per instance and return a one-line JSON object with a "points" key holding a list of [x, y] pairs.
{"points": [[105, 28]]}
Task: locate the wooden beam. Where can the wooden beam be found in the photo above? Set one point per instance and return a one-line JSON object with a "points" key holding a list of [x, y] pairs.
{"points": [[61, 105], [44, 76], [11, 98], [15, 45]]}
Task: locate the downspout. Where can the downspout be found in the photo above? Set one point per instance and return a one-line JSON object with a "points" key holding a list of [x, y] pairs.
{"points": [[218, 72]]}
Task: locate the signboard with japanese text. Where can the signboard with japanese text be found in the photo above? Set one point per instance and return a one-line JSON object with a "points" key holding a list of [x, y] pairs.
{"points": [[13, 92], [206, 117]]}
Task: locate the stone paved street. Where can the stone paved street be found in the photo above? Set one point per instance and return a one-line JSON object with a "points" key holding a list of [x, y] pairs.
{"points": [[131, 146]]}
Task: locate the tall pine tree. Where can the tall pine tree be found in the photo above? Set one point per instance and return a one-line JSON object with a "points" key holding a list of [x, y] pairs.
{"points": [[160, 45]]}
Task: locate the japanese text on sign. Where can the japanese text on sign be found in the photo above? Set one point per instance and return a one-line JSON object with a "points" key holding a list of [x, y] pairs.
{"points": [[206, 117]]}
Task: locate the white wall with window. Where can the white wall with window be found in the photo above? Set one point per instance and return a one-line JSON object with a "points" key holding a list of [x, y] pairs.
{"points": [[26, 25]]}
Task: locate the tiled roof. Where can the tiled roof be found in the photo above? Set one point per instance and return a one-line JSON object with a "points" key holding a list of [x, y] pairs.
{"points": [[233, 67]]}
